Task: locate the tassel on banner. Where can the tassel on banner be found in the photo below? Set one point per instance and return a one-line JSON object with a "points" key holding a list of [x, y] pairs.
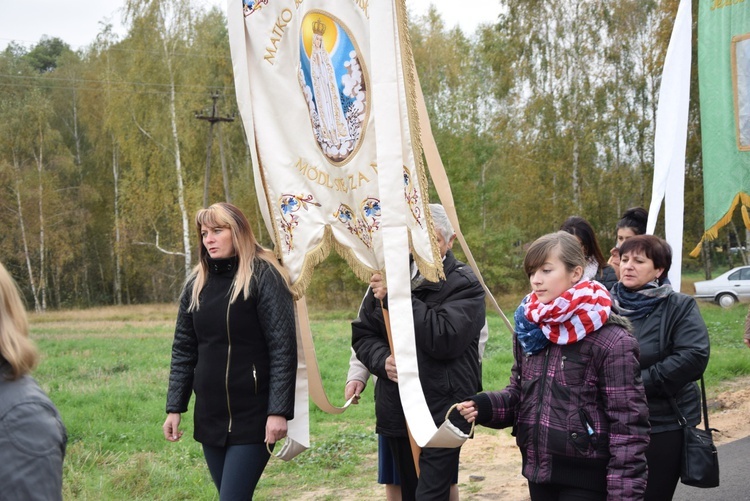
{"points": [[741, 199]]}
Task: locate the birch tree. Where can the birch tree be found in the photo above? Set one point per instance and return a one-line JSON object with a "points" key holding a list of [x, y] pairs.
{"points": [[166, 24]]}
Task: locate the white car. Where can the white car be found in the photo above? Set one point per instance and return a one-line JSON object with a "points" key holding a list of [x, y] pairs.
{"points": [[726, 289]]}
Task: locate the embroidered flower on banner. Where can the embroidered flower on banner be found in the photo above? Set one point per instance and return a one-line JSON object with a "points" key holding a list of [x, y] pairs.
{"points": [[289, 204], [250, 6], [411, 194], [363, 225]]}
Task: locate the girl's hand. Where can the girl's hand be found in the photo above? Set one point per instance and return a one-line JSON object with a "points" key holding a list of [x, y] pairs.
{"points": [[468, 410]]}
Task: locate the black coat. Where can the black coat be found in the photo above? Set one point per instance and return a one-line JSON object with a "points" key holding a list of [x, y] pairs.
{"points": [[674, 347], [239, 359], [448, 317], [606, 276]]}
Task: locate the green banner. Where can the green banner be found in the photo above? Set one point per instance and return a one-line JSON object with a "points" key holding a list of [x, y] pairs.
{"points": [[724, 76]]}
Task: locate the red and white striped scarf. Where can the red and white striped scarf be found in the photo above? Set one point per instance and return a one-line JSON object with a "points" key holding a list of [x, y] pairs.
{"points": [[578, 311]]}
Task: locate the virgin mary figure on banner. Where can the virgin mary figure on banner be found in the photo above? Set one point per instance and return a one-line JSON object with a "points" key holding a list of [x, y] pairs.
{"points": [[330, 127]]}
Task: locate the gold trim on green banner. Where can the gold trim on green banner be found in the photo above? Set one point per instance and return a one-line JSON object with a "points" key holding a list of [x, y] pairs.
{"points": [[713, 232]]}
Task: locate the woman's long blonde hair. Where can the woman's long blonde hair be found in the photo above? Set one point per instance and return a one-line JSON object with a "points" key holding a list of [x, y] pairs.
{"points": [[15, 346], [246, 248]]}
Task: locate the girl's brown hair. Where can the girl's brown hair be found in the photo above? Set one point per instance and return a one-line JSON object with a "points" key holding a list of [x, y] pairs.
{"points": [[570, 252]]}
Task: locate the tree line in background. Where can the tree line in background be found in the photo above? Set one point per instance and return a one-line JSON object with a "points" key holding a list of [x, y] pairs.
{"points": [[546, 112]]}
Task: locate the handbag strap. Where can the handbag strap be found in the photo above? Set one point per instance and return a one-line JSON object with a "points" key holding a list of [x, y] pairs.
{"points": [[662, 339], [704, 403], [704, 406]]}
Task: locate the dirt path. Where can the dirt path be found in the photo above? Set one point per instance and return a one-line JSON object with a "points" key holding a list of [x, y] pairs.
{"points": [[491, 464]]}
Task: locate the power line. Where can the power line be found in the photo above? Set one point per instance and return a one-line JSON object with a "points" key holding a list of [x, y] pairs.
{"points": [[109, 82], [99, 89], [90, 46]]}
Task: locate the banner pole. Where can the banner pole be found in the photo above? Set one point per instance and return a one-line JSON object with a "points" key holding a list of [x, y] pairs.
{"points": [[415, 449]]}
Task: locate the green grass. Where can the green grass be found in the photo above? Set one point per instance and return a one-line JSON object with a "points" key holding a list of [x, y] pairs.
{"points": [[107, 370]]}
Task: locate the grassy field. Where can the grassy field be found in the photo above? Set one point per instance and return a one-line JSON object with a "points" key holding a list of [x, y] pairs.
{"points": [[106, 369]]}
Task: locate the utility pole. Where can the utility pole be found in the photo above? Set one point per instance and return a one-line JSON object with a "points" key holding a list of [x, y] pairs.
{"points": [[213, 119]]}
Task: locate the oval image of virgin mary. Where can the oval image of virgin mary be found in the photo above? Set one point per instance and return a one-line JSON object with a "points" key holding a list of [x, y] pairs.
{"points": [[333, 81]]}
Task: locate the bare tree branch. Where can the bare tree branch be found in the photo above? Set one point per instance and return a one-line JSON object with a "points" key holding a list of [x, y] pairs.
{"points": [[159, 248]]}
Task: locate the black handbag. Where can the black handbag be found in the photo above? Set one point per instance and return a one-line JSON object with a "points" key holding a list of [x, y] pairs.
{"points": [[700, 459]]}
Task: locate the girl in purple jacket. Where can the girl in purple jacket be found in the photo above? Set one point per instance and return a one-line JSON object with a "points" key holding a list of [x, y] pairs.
{"points": [[575, 399]]}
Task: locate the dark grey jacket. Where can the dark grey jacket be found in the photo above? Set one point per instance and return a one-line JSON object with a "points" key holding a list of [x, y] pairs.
{"points": [[674, 353], [32, 441]]}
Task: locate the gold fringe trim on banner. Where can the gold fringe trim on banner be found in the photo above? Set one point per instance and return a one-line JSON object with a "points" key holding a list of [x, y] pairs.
{"points": [[362, 272], [415, 129], [431, 272], [312, 259], [713, 232]]}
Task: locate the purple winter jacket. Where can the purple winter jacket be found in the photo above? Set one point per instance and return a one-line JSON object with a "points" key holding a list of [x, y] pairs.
{"points": [[579, 413]]}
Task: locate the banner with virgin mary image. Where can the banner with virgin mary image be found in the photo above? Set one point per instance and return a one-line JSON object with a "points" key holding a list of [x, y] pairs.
{"points": [[328, 99], [303, 78]]}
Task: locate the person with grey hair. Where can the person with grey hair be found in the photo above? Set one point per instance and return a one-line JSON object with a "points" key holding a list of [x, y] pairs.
{"points": [[448, 318], [442, 223]]}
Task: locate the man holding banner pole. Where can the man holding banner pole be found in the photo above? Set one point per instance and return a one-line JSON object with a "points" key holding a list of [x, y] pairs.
{"points": [[448, 318]]}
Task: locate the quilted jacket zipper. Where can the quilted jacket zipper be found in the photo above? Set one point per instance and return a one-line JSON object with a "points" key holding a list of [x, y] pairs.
{"points": [[539, 414], [226, 376]]}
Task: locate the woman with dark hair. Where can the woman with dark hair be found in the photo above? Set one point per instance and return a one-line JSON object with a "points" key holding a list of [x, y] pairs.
{"points": [[596, 266], [235, 347], [674, 353], [633, 222]]}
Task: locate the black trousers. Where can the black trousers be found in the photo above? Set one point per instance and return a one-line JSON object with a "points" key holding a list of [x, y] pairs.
{"points": [[664, 455], [554, 492], [236, 469], [437, 467]]}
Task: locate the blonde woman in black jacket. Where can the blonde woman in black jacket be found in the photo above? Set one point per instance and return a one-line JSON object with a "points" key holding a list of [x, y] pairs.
{"points": [[235, 347], [674, 344]]}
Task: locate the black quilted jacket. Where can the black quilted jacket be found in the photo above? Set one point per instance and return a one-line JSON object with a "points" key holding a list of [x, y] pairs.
{"points": [[239, 359]]}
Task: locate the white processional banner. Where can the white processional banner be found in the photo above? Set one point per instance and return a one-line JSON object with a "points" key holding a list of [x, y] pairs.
{"points": [[303, 81], [670, 138], [306, 81]]}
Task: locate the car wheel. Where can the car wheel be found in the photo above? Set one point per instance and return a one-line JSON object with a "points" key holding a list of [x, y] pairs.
{"points": [[726, 300]]}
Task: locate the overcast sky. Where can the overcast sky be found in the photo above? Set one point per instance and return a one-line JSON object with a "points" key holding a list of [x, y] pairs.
{"points": [[78, 21]]}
